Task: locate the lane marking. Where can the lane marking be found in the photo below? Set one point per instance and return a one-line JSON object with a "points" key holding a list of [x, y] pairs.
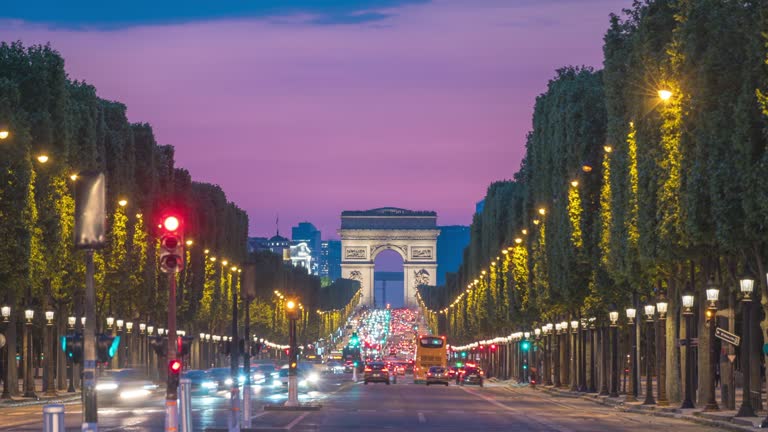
{"points": [[293, 423], [515, 411], [422, 419]]}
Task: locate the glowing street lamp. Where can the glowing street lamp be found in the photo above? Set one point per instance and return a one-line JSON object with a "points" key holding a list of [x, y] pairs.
{"points": [[665, 94], [123, 202], [43, 158]]}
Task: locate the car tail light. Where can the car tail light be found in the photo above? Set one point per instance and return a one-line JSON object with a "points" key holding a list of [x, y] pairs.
{"points": [[367, 369], [429, 374], [385, 370]]}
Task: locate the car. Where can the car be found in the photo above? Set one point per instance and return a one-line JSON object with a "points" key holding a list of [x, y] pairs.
{"points": [[201, 383], [376, 372], [304, 377], [437, 375], [452, 372], [334, 367], [222, 377], [470, 375], [263, 374], [124, 386]]}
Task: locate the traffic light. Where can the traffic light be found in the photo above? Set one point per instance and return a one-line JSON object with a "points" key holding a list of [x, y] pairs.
{"points": [[493, 347], [354, 340], [292, 309], [174, 370], [106, 347], [160, 345], [525, 345], [171, 245], [463, 354], [72, 345], [182, 345]]}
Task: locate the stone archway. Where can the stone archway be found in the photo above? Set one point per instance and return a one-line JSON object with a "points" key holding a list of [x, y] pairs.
{"points": [[412, 234]]}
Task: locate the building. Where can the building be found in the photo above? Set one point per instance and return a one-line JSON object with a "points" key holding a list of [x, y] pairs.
{"points": [[278, 244], [301, 256], [306, 232], [257, 244], [450, 249], [330, 259]]}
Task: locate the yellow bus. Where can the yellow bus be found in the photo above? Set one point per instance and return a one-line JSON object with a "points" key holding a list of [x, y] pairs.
{"points": [[430, 351]]}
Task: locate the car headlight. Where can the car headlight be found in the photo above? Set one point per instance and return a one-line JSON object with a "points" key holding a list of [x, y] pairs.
{"points": [[313, 377], [209, 384], [241, 379], [134, 393], [303, 383], [277, 383], [228, 381], [106, 386]]}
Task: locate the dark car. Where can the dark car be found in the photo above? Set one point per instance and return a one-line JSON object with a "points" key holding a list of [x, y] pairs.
{"points": [[222, 377], [376, 372], [453, 372], [470, 375], [437, 375], [263, 374], [201, 384]]}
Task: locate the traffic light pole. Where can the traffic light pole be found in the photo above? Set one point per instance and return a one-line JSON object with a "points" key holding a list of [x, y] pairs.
{"points": [[90, 413], [293, 390], [247, 364], [171, 389], [234, 419]]}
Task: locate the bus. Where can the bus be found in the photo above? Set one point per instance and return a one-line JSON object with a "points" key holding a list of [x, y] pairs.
{"points": [[430, 351]]}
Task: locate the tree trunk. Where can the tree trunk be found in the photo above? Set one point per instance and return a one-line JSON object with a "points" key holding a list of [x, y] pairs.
{"points": [[757, 342], [61, 359], [703, 362]]}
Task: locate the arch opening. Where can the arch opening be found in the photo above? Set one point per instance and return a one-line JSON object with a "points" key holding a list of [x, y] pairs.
{"points": [[388, 280]]}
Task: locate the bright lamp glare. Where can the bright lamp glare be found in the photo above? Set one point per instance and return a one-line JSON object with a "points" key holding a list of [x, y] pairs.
{"points": [[171, 223]]}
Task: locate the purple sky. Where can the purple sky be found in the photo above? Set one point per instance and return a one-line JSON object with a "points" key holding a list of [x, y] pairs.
{"points": [[421, 109]]}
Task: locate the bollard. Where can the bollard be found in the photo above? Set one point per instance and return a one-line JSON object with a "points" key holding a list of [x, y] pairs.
{"points": [[246, 422], [185, 400], [53, 418]]}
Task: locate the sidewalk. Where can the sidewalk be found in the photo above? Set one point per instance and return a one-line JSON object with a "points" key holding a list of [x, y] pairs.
{"points": [[724, 419], [42, 399]]}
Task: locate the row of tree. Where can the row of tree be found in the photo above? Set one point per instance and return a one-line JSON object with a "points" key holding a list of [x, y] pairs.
{"points": [[646, 177]]}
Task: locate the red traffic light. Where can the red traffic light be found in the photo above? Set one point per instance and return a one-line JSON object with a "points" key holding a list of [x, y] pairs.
{"points": [[493, 347], [174, 366], [171, 223]]}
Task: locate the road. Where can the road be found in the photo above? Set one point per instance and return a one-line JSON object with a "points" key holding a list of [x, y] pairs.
{"points": [[401, 407]]}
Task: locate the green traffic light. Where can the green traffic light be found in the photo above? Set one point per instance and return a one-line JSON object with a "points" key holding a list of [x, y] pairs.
{"points": [[525, 345]]}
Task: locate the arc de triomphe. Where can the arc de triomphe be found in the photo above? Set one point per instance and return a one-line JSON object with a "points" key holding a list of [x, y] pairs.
{"points": [[412, 234]]}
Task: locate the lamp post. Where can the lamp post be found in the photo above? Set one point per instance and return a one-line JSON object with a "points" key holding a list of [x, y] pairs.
{"points": [[712, 295], [50, 386], [614, 317], [650, 311], [574, 356], [747, 286], [129, 339], [6, 313], [71, 321], [29, 383], [661, 343], [604, 365], [632, 390], [556, 359], [688, 299], [120, 360], [565, 361], [548, 358]]}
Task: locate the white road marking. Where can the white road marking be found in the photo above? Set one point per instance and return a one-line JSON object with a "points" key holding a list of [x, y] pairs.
{"points": [[293, 423], [510, 409], [422, 419]]}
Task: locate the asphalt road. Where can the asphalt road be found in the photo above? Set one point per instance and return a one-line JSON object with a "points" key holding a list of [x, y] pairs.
{"points": [[401, 407]]}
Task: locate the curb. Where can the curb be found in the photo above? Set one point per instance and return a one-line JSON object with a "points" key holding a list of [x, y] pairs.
{"points": [[14, 403]]}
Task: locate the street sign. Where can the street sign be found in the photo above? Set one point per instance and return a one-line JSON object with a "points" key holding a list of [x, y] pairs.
{"points": [[731, 357], [727, 337]]}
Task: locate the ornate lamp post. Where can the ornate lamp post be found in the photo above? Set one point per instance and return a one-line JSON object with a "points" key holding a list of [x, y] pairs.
{"points": [[548, 359], [565, 360], [592, 388], [614, 317], [688, 299], [129, 336], [6, 313], [50, 386], [120, 358], [604, 359], [556, 359], [712, 295], [29, 383], [650, 311], [747, 286], [574, 356], [661, 343], [632, 391]]}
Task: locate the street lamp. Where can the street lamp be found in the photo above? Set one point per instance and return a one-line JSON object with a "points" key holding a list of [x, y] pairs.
{"points": [[5, 311], [71, 321], [746, 286], [614, 318], [574, 356], [661, 343], [4, 132], [687, 300], [665, 94], [110, 321], [42, 158], [712, 295], [50, 387], [650, 311], [632, 392], [29, 383]]}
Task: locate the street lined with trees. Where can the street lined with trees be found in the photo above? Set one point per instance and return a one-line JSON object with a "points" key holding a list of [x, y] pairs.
{"points": [[641, 180]]}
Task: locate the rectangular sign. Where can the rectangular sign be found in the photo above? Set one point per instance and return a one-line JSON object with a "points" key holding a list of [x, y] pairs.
{"points": [[727, 337]]}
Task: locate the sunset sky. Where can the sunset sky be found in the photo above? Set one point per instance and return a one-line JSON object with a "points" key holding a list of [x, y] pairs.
{"points": [[307, 108]]}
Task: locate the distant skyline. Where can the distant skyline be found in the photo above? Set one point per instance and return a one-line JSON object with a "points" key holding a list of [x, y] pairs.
{"points": [[307, 108]]}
